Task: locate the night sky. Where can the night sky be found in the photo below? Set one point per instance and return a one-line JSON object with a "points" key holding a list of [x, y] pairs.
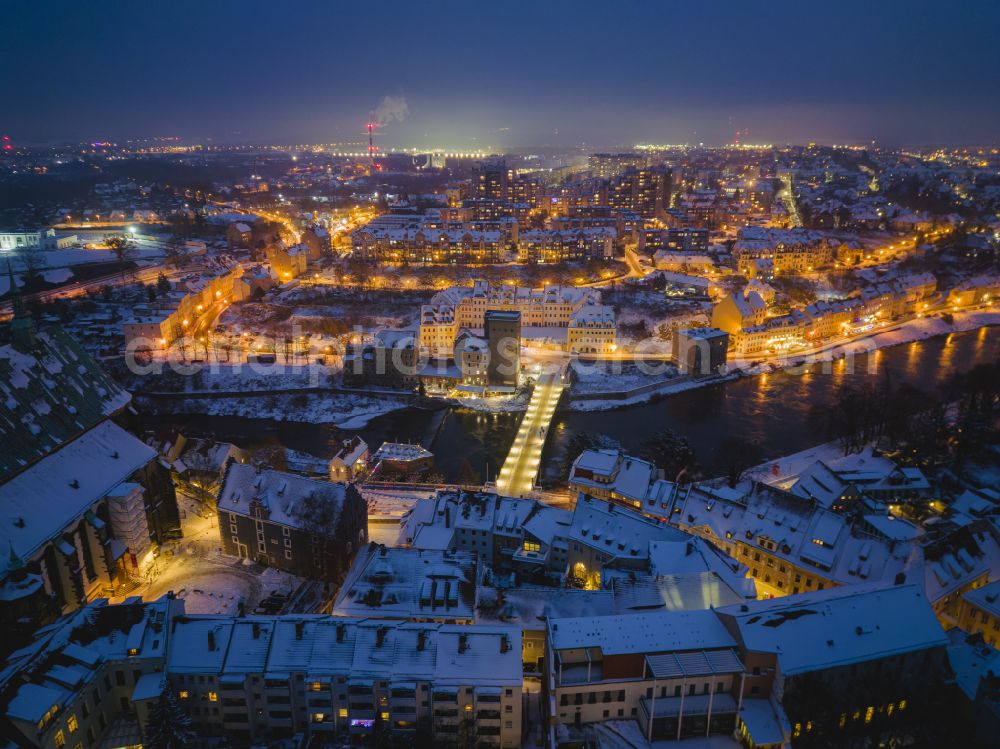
{"points": [[480, 74]]}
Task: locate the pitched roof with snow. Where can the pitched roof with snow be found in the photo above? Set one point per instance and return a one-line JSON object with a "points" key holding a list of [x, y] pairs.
{"points": [[323, 646], [39, 502], [409, 584], [49, 396], [838, 626], [658, 632], [280, 494]]}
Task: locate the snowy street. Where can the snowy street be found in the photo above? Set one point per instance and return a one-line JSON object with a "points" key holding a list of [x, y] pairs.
{"points": [[209, 582]]}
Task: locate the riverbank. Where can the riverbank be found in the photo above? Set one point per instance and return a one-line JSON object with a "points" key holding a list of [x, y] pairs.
{"points": [[773, 412], [919, 329], [347, 411]]}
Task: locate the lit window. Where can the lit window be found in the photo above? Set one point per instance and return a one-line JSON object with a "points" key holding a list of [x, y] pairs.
{"points": [[869, 714], [318, 717], [385, 717], [213, 697], [468, 708], [532, 546], [60, 739], [342, 712], [316, 686], [183, 694], [71, 724]]}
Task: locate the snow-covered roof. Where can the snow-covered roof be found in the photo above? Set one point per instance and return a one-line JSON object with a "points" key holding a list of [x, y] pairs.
{"points": [[986, 598], [324, 646], [616, 531], [401, 451], [409, 584], [603, 462], [60, 667], [893, 528], [971, 659], [685, 591], [48, 396], [630, 477], [280, 494], [590, 315], [66, 484], [838, 626], [658, 632], [351, 451]]}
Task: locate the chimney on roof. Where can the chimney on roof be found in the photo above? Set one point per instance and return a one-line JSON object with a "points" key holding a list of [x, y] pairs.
{"points": [[421, 640], [463, 643], [447, 517], [340, 632], [380, 636], [211, 640], [688, 548], [256, 631], [900, 578], [300, 627], [504, 643]]}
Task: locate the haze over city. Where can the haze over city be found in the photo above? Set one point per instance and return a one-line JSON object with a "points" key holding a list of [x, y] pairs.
{"points": [[505, 75], [467, 375]]}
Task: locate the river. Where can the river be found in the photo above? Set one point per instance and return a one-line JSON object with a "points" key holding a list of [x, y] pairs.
{"points": [[771, 411]]}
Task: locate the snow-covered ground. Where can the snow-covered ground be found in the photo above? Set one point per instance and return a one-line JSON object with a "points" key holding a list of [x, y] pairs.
{"points": [[221, 377], [617, 376], [669, 388], [209, 581], [347, 411], [505, 404], [391, 503]]}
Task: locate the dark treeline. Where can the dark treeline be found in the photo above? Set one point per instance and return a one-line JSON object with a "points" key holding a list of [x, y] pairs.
{"points": [[943, 427]]}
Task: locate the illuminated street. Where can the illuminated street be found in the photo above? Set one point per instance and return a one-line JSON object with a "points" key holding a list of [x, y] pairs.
{"points": [[563, 375]]}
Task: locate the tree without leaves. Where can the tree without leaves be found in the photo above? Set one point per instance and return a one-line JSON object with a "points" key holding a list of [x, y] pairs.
{"points": [[576, 445], [123, 248], [319, 513], [740, 455], [174, 252], [672, 453], [33, 262], [467, 475], [162, 284]]}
